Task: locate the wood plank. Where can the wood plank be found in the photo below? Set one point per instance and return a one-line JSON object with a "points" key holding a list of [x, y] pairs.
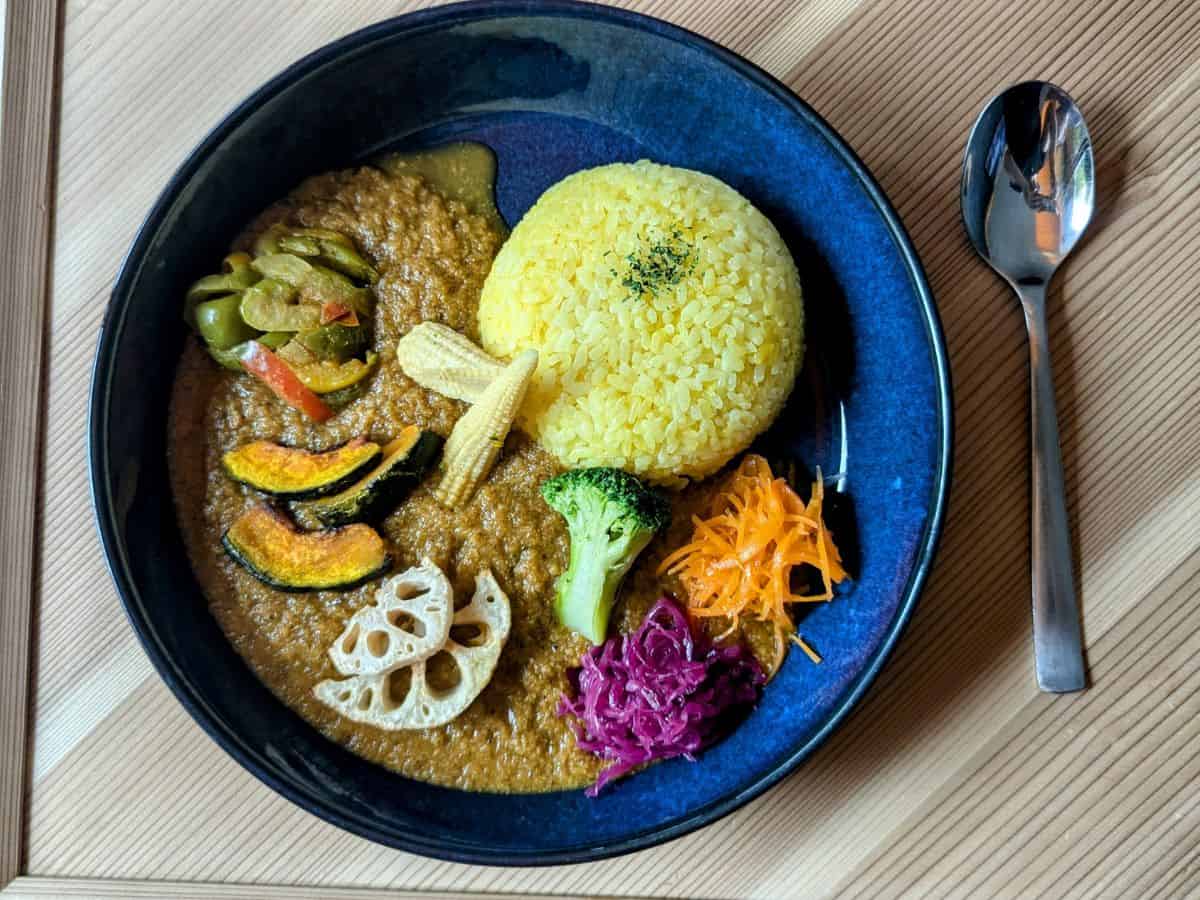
{"points": [[28, 888], [1110, 771], [955, 776], [26, 140]]}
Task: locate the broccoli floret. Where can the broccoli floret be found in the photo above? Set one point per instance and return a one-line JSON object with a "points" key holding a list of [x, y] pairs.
{"points": [[611, 517]]}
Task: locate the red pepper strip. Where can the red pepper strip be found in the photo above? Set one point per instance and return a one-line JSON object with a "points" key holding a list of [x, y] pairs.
{"points": [[275, 374], [338, 312]]}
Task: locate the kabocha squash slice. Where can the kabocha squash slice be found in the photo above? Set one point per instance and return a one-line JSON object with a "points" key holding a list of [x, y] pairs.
{"points": [[405, 462], [380, 700], [297, 474], [265, 544]]}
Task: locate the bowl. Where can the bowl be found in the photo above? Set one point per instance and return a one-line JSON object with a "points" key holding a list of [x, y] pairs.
{"points": [[552, 88]]}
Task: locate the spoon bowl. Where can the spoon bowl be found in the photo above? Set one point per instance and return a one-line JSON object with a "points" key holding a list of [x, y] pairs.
{"points": [[1027, 194], [1028, 181]]}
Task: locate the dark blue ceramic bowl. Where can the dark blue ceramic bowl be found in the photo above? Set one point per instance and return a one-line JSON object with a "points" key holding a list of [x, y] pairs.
{"points": [[552, 87]]}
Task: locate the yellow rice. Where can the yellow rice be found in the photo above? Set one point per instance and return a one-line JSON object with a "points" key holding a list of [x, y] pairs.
{"points": [[668, 384]]}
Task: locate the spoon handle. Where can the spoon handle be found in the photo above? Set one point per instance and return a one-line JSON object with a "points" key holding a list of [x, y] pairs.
{"points": [[1057, 641]]}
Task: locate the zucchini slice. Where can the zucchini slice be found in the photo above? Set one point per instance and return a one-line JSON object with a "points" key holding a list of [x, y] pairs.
{"points": [[316, 284], [296, 474], [327, 377], [405, 462], [272, 305], [263, 542]]}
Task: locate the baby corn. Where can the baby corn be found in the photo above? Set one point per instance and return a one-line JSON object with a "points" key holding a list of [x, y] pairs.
{"points": [[477, 437], [442, 360]]}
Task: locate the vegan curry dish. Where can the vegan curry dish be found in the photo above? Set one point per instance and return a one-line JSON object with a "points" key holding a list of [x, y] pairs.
{"points": [[478, 505]]}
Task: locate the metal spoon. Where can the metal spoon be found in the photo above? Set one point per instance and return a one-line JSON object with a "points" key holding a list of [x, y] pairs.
{"points": [[1028, 186]]}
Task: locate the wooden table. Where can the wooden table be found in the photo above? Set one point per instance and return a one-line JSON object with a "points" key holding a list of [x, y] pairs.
{"points": [[955, 776]]}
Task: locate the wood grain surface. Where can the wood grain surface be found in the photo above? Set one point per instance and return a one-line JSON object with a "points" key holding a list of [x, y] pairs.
{"points": [[30, 887], [27, 67], [955, 777]]}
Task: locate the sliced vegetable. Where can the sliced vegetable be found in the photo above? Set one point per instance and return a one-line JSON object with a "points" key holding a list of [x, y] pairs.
{"points": [[220, 322], [611, 517], [288, 268], [232, 358], [742, 554], [405, 462], [297, 474], [477, 437], [275, 374], [330, 249], [265, 544], [413, 700], [657, 693], [442, 360], [295, 354], [339, 399], [321, 235], [338, 312], [290, 242], [273, 340], [316, 284], [408, 622], [236, 275], [226, 283], [228, 359], [336, 342], [272, 305], [327, 377], [267, 241]]}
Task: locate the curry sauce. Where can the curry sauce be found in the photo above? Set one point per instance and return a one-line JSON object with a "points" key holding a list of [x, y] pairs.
{"points": [[432, 253]]}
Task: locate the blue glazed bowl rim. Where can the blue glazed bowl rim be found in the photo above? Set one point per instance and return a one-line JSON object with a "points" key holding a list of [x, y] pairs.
{"points": [[102, 372]]}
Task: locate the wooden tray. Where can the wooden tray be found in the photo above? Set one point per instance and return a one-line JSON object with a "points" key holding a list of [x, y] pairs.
{"points": [[955, 776]]}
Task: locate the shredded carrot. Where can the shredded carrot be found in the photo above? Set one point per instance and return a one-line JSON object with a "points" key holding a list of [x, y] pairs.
{"points": [[740, 559], [808, 651]]}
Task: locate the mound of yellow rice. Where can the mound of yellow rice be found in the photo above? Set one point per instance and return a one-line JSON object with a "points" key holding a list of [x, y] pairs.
{"points": [[667, 377]]}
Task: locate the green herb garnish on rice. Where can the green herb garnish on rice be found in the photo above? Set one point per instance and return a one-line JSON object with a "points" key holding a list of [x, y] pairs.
{"points": [[659, 261]]}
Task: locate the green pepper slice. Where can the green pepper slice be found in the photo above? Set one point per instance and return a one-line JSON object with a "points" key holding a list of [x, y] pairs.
{"points": [[299, 245], [228, 359], [237, 275], [331, 249], [273, 340], [232, 357], [336, 342], [220, 322]]}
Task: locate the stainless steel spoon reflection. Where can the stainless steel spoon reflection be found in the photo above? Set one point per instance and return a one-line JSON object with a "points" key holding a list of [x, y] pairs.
{"points": [[1027, 193]]}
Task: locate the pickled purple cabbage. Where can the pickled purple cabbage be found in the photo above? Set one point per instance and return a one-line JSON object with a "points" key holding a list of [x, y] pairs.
{"points": [[660, 692]]}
